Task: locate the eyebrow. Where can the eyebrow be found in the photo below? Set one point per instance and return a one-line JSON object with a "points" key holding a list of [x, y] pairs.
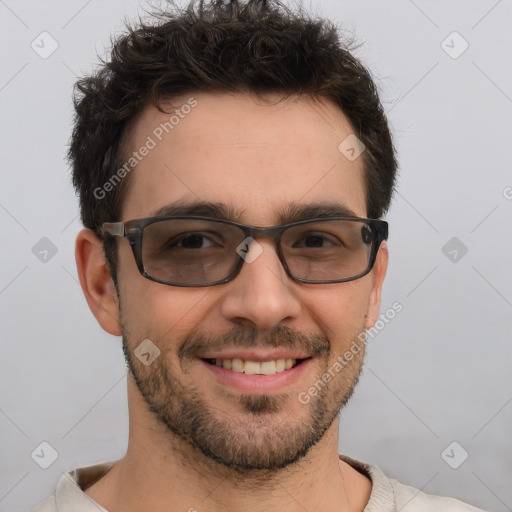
{"points": [[293, 212], [296, 212], [199, 208]]}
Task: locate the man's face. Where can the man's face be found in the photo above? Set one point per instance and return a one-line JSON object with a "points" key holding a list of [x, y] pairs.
{"points": [[257, 160]]}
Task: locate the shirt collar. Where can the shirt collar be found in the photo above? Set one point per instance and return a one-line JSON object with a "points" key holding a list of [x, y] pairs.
{"points": [[71, 497]]}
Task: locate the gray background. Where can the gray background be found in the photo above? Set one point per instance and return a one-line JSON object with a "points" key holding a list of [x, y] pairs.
{"points": [[436, 374]]}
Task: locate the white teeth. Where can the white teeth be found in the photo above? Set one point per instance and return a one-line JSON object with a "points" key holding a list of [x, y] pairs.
{"points": [[237, 365], [280, 365], [252, 367], [255, 367], [268, 368]]}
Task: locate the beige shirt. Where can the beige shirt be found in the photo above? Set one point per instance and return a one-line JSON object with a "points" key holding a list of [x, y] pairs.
{"points": [[387, 495]]}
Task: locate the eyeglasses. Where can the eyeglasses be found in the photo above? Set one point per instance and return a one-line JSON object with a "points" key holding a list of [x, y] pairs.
{"points": [[205, 251]]}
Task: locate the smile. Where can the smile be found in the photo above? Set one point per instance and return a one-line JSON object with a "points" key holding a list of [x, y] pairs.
{"points": [[255, 367]]}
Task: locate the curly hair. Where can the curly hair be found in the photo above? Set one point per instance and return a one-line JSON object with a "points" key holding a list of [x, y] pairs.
{"points": [[256, 46]]}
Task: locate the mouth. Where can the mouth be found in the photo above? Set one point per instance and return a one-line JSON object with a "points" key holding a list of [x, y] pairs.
{"points": [[249, 367], [258, 377]]}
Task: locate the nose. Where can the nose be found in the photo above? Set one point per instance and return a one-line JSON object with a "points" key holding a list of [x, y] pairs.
{"points": [[261, 295]]}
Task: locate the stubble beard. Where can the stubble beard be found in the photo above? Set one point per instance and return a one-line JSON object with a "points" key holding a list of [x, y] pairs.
{"points": [[256, 439]]}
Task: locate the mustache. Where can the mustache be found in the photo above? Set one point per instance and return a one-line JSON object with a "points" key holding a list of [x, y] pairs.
{"points": [[198, 343]]}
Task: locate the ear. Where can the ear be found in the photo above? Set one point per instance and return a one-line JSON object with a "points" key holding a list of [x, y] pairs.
{"points": [[97, 285], [378, 272]]}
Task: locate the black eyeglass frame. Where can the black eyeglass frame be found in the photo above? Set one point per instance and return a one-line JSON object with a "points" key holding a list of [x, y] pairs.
{"points": [[133, 231]]}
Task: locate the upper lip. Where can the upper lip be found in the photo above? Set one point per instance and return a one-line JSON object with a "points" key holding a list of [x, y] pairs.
{"points": [[258, 355]]}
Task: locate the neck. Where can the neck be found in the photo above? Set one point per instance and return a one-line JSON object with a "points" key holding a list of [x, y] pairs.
{"points": [[160, 470]]}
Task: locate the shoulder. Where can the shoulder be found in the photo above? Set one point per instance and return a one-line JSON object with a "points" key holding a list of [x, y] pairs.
{"points": [[69, 495], [410, 499], [48, 505], [390, 495]]}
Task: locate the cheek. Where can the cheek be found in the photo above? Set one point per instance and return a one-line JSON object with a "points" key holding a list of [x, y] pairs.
{"points": [[339, 309], [153, 308], [169, 312]]}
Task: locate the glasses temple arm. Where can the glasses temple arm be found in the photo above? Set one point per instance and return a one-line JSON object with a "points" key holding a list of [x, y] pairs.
{"points": [[113, 228]]}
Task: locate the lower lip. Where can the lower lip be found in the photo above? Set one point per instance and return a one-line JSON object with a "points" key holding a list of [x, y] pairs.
{"points": [[258, 383]]}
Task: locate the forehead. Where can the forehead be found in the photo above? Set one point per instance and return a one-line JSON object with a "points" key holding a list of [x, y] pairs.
{"points": [[257, 157]]}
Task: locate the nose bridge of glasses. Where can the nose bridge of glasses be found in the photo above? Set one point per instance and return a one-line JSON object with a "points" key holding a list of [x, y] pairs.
{"points": [[251, 251], [273, 232]]}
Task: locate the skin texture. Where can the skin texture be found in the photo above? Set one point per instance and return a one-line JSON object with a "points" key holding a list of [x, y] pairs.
{"points": [[195, 441]]}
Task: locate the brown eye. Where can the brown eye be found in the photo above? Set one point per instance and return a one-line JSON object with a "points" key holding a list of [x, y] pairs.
{"points": [[193, 242]]}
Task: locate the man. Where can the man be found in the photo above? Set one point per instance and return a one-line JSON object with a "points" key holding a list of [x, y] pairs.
{"points": [[232, 162]]}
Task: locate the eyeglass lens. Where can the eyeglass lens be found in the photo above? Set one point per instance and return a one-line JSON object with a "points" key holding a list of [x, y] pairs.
{"points": [[193, 251]]}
